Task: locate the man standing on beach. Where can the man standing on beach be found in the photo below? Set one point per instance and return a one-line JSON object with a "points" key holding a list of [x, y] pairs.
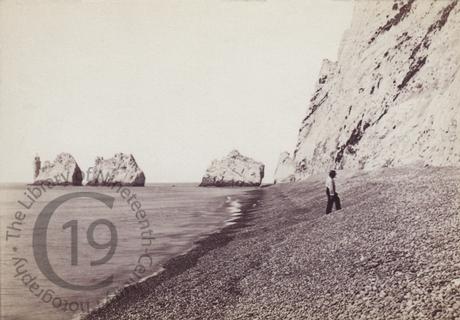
{"points": [[332, 196]]}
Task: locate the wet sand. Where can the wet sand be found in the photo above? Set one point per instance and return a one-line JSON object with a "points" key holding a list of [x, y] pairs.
{"points": [[392, 252]]}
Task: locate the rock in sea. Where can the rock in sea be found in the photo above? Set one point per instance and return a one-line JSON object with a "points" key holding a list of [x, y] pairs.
{"points": [[121, 169], [285, 169], [64, 170], [234, 170]]}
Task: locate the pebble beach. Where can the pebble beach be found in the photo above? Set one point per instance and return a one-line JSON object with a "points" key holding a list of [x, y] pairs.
{"points": [[392, 252]]}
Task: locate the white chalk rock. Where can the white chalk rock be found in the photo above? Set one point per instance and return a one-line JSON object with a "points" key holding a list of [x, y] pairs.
{"points": [[285, 169], [234, 170], [64, 170], [122, 169], [393, 96]]}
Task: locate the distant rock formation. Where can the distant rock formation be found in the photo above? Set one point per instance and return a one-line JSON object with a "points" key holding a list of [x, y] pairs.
{"points": [[285, 169], [37, 166], [393, 96], [122, 169], [63, 171], [234, 170]]}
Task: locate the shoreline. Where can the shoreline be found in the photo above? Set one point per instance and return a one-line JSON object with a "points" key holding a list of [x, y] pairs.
{"points": [[177, 264], [390, 253], [181, 216]]}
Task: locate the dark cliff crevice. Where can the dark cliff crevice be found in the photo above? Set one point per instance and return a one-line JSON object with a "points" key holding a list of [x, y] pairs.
{"points": [[317, 92], [322, 80], [436, 26], [314, 107], [419, 61], [355, 136], [385, 110], [402, 13], [401, 40], [413, 69]]}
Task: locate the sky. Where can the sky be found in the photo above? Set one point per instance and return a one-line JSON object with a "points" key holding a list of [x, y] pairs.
{"points": [[175, 83]]}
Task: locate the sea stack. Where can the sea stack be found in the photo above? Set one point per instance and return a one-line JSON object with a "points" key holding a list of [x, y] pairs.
{"points": [[64, 170], [285, 169], [122, 169], [235, 170], [392, 96]]}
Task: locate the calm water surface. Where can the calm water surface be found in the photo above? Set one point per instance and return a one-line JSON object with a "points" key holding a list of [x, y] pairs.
{"points": [[176, 215]]}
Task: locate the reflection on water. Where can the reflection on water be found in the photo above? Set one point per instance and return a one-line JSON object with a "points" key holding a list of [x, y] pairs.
{"points": [[87, 242]]}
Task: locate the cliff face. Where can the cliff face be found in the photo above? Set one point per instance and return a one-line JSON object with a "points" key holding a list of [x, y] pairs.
{"points": [[392, 98], [234, 170], [122, 169], [285, 169], [64, 170]]}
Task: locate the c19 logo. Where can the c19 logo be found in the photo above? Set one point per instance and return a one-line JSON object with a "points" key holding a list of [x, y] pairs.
{"points": [[40, 233]]}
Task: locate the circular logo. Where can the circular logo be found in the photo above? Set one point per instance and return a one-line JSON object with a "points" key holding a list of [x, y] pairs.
{"points": [[40, 234]]}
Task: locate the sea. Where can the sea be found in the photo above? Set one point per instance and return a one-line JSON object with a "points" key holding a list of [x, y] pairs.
{"points": [[66, 250]]}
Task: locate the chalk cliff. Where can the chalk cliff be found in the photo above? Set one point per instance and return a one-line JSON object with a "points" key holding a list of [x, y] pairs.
{"points": [[234, 170], [64, 170], [121, 169], [285, 169], [392, 97]]}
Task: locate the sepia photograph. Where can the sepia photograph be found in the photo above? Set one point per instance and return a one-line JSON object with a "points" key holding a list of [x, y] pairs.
{"points": [[230, 159]]}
